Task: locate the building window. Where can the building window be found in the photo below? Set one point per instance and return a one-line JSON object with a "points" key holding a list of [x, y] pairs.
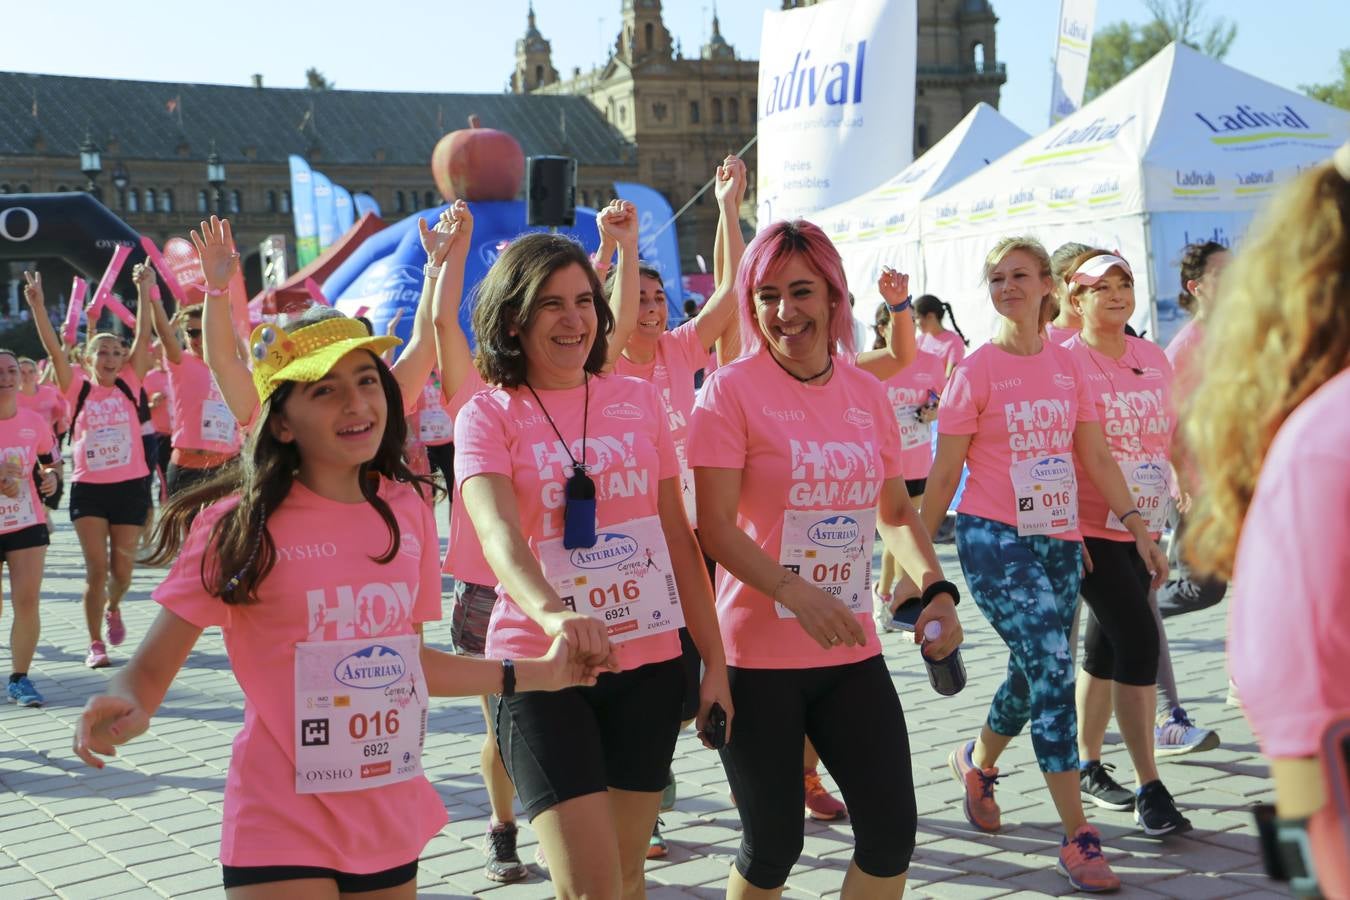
{"points": [[271, 201], [977, 55], [538, 76], [61, 188], [693, 112], [285, 201], [717, 110], [623, 114], [132, 198], [659, 111], [428, 200], [4, 189], [400, 202], [151, 200], [921, 132], [166, 200], [236, 202], [23, 189], [203, 202], [733, 110], [647, 32]]}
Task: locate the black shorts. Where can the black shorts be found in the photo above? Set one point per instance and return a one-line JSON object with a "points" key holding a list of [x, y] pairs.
{"points": [[559, 745], [24, 539], [241, 876], [916, 486], [121, 502], [181, 478], [691, 664]]}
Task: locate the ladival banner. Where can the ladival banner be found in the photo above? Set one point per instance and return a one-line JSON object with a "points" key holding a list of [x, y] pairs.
{"points": [[1071, 57], [302, 205], [836, 103]]}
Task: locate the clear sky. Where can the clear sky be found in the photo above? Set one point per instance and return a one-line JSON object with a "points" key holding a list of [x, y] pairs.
{"points": [[469, 45]]}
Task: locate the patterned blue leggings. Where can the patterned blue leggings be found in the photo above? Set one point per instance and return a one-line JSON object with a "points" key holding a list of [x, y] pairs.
{"points": [[1027, 587]]}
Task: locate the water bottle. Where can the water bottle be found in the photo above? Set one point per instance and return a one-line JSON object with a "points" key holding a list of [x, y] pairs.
{"points": [[946, 675]]}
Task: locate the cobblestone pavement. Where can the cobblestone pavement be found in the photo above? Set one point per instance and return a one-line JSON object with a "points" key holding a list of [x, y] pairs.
{"points": [[149, 824]]}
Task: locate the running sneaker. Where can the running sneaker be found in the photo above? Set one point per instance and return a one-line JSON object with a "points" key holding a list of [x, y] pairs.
{"points": [[503, 862], [906, 614], [657, 848], [1187, 595], [881, 611], [1177, 735], [1233, 699], [98, 656], [668, 793], [23, 693], [980, 806], [117, 632], [1156, 811], [820, 804], [1081, 860], [1098, 786]]}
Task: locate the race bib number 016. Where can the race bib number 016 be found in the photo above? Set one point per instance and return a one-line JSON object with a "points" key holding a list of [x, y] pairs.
{"points": [[1047, 495], [360, 713], [218, 424], [625, 580], [832, 549], [1150, 487], [108, 447]]}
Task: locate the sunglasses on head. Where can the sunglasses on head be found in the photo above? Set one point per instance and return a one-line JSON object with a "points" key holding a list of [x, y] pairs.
{"points": [[193, 332]]}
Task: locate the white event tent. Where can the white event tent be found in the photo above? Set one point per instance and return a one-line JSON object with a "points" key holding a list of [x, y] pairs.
{"points": [[1183, 149], [881, 227]]}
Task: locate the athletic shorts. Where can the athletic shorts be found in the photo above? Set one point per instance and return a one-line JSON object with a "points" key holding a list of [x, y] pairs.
{"points": [[24, 539], [916, 486], [121, 502], [182, 478], [241, 876], [620, 733], [470, 611]]}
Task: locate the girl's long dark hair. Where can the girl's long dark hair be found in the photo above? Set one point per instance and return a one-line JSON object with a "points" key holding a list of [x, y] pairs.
{"points": [[241, 552]]}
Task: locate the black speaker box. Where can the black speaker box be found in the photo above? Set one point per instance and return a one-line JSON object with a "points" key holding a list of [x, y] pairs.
{"points": [[551, 191]]}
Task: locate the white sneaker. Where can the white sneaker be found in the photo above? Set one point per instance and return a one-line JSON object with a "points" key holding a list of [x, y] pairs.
{"points": [[1178, 735], [881, 612]]}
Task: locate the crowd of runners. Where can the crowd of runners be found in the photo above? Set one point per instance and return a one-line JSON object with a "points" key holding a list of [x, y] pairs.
{"points": [[633, 555]]}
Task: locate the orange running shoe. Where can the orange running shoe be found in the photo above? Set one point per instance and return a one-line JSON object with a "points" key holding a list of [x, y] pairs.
{"points": [[980, 806], [820, 805], [1081, 860]]}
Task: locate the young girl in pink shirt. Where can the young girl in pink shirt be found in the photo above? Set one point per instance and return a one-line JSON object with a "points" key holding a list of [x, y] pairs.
{"points": [[109, 495], [1019, 413], [571, 480], [322, 624], [933, 338]]}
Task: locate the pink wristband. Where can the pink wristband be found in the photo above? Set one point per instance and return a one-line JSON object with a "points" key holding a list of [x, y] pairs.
{"points": [[214, 292]]}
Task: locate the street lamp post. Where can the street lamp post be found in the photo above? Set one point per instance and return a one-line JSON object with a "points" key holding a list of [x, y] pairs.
{"points": [[120, 179], [90, 163], [215, 176]]}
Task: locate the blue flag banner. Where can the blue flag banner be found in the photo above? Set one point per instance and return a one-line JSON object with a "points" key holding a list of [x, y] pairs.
{"points": [[365, 203], [325, 210], [346, 212], [385, 273], [661, 251], [302, 207]]}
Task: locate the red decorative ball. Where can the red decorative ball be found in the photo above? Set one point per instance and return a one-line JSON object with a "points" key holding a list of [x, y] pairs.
{"points": [[477, 163]]}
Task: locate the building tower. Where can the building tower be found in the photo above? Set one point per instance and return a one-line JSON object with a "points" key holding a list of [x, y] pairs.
{"points": [[717, 46], [534, 60], [643, 37]]}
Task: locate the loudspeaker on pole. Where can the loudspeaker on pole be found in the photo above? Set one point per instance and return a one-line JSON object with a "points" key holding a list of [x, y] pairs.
{"points": [[551, 191]]}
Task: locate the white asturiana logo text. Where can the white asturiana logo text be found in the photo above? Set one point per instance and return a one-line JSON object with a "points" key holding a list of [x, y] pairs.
{"points": [[1064, 382], [623, 410], [611, 548], [834, 532], [370, 668]]}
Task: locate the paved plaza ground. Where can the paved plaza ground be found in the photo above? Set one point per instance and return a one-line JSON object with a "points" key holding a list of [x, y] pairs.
{"points": [[149, 824]]}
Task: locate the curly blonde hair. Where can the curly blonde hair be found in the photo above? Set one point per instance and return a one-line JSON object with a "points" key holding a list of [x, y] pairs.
{"points": [[1280, 331]]}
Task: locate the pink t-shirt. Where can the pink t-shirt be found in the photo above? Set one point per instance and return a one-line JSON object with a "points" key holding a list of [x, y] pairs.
{"points": [[800, 447], [1289, 635], [679, 354], [24, 437], [157, 382], [106, 443], [201, 418], [1056, 335], [48, 402], [946, 344], [918, 384], [1015, 408], [629, 449], [1137, 416], [325, 586], [464, 555], [1183, 352]]}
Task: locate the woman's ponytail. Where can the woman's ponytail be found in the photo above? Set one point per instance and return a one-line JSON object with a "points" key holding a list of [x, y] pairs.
{"points": [[951, 317]]}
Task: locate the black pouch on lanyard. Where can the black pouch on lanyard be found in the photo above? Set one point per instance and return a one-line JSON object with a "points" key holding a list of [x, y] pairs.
{"points": [[579, 511]]}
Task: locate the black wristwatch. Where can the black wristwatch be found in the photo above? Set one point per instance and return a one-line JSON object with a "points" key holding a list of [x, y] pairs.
{"points": [[508, 678]]}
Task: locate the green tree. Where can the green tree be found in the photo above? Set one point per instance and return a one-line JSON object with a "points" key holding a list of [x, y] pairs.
{"points": [[1120, 48], [315, 80], [1337, 93]]}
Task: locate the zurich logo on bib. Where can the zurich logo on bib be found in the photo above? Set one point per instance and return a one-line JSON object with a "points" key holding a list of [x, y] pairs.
{"points": [[1054, 468], [610, 549], [836, 531], [371, 668]]}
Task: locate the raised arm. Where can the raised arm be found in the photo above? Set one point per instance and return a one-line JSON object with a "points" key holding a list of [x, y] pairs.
{"points": [[144, 276], [37, 305], [620, 223], [220, 344], [453, 358], [168, 335], [901, 349], [717, 320]]}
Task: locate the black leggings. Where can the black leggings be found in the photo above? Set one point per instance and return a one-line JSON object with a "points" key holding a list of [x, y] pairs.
{"points": [[1121, 640], [853, 717]]}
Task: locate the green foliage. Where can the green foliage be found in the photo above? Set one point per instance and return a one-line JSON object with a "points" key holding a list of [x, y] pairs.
{"points": [[315, 80], [1337, 93], [1120, 48]]}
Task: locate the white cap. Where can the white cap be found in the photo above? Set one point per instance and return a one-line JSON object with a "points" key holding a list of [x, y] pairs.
{"points": [[1092, 271]]}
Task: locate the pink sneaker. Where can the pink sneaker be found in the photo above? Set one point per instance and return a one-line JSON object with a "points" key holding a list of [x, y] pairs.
{"points": [[1081, 860], [117, 632], [98, 656], [820, 805], [980, 806]]}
